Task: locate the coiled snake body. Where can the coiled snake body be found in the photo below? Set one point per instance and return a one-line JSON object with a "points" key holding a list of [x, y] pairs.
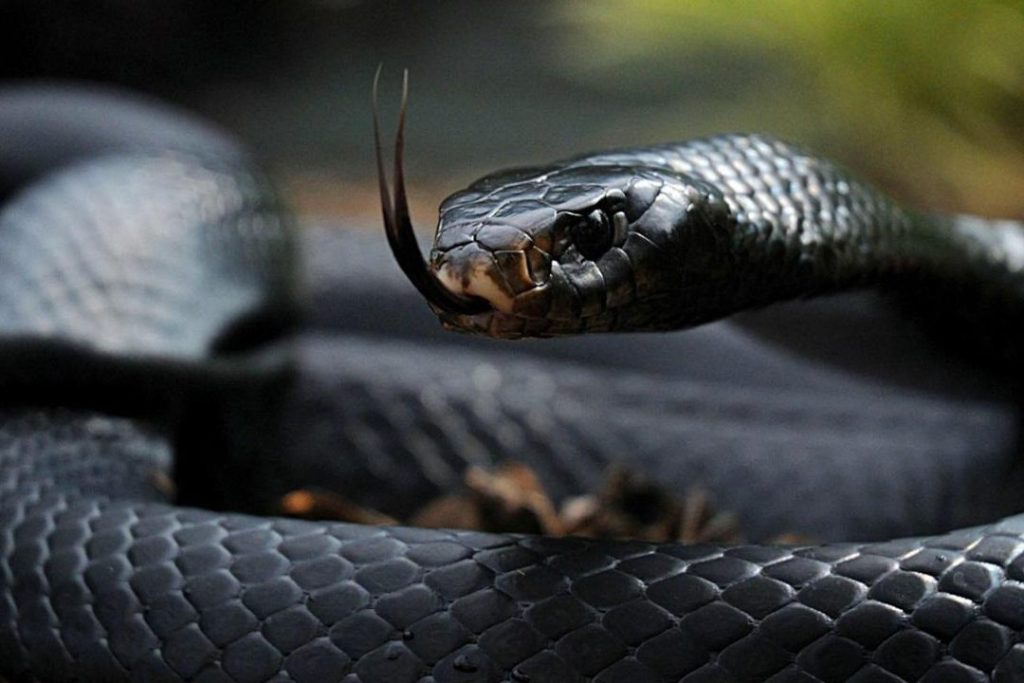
{"points": [[138, 292]]}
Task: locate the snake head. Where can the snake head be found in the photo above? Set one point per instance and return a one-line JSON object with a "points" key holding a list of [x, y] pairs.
{"points": [[588, 245], [592, 244]]}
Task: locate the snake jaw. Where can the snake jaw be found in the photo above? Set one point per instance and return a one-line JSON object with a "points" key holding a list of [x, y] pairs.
{"points": [[398, 224], [470, 272], [493, 324], [480, 285]]}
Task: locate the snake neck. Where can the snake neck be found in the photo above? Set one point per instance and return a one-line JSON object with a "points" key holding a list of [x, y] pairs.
{"points": [[780, 224], [789, 225]]}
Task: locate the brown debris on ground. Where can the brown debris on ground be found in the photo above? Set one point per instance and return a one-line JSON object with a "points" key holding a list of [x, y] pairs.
{"points": [[511, 499], [320, 504], [630, 506]]}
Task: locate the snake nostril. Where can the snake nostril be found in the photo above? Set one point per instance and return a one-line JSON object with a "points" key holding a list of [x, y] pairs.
{"points": [[437, 261]]}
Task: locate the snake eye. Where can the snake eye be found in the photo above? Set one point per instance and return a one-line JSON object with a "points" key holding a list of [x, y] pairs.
{"points": [[593, 235]]}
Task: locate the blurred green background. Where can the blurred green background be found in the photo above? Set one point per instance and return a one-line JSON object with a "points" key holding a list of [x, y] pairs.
{"points": [[925, 97]]}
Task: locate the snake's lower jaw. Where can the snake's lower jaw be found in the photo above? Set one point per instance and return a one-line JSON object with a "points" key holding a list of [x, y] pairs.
{"points": [[467, 324], [493, 324]]}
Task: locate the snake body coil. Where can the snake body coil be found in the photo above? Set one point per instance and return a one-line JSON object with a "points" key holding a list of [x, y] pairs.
{"points": [[161, 276]]}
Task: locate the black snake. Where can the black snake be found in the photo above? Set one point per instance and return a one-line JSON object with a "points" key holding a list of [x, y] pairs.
{"points": [[146, 284]]}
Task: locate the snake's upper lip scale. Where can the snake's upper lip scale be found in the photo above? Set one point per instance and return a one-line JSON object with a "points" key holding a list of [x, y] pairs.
{"points": [[398, 225]]}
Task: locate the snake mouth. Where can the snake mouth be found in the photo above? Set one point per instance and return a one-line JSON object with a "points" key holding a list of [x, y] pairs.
{"points": [[470, 271], [398, 224]]}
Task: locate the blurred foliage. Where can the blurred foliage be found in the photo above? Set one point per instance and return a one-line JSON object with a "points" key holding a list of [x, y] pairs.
{"points": [[926, 96]]}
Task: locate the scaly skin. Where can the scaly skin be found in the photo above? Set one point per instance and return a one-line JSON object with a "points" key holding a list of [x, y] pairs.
{"points": [[103, 579]]}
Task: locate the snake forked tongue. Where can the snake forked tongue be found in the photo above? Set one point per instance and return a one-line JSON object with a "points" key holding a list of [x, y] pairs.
{"points": [[398, 225]]}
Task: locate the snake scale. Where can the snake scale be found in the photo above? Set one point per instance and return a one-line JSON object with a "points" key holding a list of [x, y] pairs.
{"points": [[146, 289]]}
